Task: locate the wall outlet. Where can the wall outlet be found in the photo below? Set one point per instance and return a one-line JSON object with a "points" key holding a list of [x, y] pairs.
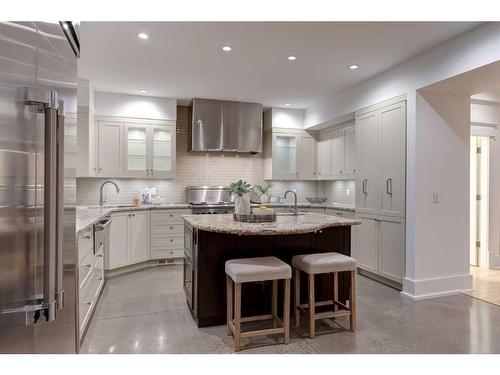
{"points": [[435, 197], [348, 192]]}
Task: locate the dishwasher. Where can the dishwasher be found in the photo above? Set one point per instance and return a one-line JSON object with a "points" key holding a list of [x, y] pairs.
{"points": [[101, 237]]}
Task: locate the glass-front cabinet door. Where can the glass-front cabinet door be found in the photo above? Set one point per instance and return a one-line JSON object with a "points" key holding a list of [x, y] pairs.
{"points": [[162, 145], [136, 150], [285, 160]]}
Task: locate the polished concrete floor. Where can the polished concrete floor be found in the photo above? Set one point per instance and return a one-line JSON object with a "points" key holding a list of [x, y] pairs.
{"points": [[145, 312], [485, 284]]}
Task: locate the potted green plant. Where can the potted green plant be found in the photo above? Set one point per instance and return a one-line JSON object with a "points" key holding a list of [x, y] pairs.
{"points": [[262, 190], [240, 190]]}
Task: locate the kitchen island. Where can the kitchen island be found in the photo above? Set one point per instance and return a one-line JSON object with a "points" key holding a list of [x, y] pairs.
{"points": [[211, 240]]}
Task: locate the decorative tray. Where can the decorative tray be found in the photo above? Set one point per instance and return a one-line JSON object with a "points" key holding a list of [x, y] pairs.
{"points": [[251, 218]]}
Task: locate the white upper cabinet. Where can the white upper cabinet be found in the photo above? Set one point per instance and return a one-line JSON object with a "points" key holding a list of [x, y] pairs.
{"points": [[162, 151], [285, 162], [307, 159], [110, 149], [136, 148], [323, 157], [381, 160], [336, 153], [289, 154], [349, 136], [392, 160]]}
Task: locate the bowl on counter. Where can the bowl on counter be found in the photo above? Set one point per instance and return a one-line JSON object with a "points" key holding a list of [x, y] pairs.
{"points": [[316, 200]]}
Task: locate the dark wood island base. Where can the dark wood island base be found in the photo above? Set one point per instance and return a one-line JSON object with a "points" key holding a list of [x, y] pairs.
{"points": [[206, 253]]}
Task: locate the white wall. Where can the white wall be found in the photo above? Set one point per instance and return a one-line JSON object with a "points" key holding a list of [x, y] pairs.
{"points": [[438, 263], [284, 118], [122, 105]]}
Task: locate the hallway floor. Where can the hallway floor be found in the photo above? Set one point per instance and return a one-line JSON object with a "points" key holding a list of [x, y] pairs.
{"points": [[146, 312], [485, 284]]}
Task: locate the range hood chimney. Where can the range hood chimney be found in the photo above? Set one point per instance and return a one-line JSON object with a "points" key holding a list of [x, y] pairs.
{"points": [[220, 125]]}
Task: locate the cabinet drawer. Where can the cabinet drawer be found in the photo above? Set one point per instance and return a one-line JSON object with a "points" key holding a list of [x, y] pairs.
{"points": [[168, 216], [168, 230], [341, 213], [168, 243], [89, 292], [162, 253], [85, 242], [85, 267]]}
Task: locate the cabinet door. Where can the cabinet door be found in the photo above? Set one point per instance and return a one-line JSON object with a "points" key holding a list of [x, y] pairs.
{"points": [[366, 250], [349, 150], [110, 149], [118, 254], [307, 158], [285, 156], [391, 254], [136, 150], [367, 199], [336, 153], [162, 155], [392, 160], [323, 158], [139, 236]]}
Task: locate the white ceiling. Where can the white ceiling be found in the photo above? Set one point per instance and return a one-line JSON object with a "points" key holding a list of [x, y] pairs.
{"points": [[185, 60]]}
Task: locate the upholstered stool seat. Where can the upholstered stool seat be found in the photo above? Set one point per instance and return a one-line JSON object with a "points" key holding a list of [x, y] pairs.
{"points": [[331, 263], [324, 263], [247, 270]]}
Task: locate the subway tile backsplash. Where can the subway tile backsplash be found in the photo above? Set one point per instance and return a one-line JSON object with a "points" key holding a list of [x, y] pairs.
{"points": [[194, 168]]}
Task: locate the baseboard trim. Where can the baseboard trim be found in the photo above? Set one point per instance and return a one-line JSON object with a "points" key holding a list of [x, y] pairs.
{"points": [[436, 287]]}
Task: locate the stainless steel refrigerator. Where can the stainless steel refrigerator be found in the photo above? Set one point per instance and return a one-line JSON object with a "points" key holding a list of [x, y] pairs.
{"points": [[38, 81]]}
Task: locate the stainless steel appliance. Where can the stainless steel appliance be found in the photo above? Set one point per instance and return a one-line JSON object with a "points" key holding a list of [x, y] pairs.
{"points": [[210, 199], [37, 188], [226, 126]]}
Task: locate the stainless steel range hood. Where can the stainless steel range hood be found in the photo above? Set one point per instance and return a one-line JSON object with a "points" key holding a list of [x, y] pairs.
{"points": [[226, 126]]}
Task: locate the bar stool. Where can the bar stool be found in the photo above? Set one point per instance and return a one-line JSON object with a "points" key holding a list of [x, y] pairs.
{"points": [[239, 271], [313, 264]]}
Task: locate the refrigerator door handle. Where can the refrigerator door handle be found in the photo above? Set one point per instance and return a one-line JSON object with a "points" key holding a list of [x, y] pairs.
{"points": [[60, 204]]}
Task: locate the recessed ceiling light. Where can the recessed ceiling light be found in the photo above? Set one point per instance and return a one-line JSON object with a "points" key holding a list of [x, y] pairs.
{"points": [[143, 36], [292, 58], [353, 67], [226, 48], [287, 104], [142, 91]]}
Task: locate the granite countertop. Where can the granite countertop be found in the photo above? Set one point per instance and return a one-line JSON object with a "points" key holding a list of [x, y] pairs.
{"points": [[285, 224], [88, 215]]}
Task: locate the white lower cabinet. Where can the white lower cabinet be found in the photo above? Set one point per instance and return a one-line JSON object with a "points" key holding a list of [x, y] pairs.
{"points": [[129, 239], [167, 233], [90, 277], [380, 246]]}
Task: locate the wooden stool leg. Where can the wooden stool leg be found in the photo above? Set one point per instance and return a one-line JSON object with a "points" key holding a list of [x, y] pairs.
{"points": [[297, 297], [275, 302], [286, 312], [335, 290], [311, 306], [237, 316], [229, 292], [352, 300]]}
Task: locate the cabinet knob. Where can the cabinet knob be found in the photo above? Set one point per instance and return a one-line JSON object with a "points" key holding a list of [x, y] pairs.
{"points": [[171, 240], [88, 265], [88, 236], [171, 228]]}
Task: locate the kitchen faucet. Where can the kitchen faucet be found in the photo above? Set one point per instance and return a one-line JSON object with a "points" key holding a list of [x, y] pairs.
{"points": [[101, 199], [295, 210]]}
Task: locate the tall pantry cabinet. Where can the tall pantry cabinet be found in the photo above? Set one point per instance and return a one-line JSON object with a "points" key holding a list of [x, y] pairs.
{"points": [[381, 189]]}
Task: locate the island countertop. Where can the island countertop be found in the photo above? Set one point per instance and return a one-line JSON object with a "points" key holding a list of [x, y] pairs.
{"points": [[284, 224]]}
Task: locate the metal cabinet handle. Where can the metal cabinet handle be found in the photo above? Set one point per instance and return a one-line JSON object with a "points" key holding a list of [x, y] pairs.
{"points": [[388, 186], [88, 265], [365, 186], [171, 228], [88, 236]]}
